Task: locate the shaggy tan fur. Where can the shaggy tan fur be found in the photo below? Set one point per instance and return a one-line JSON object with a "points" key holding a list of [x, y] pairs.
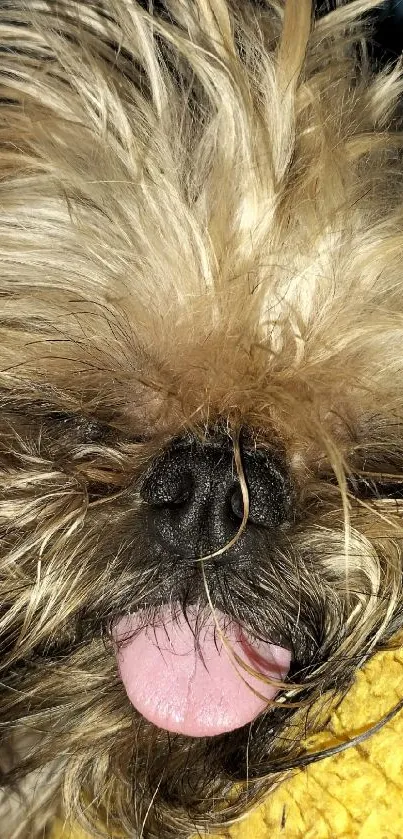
{"points": [[201, 226]]}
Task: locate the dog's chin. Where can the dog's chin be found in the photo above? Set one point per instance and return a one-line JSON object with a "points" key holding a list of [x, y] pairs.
{"points": [[197, 674]]}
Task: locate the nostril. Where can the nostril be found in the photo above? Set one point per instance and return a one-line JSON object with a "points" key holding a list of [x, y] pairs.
{"points": [[269, 497], [236, 502], [184, 490], [167, 488]]}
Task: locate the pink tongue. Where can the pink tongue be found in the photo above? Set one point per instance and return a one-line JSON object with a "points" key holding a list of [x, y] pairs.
{"points": [[198, 692]]}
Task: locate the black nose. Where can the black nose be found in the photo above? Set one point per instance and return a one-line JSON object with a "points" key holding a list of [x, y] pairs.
{"points": [[196, 498]]}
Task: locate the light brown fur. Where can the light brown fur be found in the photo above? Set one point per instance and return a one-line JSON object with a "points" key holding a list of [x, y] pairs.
{"points": [[201, 225]]}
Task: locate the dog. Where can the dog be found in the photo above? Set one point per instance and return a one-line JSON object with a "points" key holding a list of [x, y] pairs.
{"points": [[201, 449]]}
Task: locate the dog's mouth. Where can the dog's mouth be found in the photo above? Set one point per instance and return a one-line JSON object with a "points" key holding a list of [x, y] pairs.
{"points": [[196, 674]]}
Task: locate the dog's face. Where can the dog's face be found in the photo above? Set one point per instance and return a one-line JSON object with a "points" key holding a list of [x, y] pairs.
{"points": [[201, 395]]}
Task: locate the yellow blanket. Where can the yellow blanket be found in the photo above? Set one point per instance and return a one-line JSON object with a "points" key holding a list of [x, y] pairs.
{"points": [[357, 794]]}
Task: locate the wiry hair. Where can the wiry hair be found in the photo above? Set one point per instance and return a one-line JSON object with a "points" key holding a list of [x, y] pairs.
{"points": [[201, 226]]}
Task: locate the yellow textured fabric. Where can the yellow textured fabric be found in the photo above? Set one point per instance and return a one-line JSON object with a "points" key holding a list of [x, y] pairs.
{"points": [[357, 794]]}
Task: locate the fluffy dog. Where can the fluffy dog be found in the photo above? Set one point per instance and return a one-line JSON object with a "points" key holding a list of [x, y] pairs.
{"points": [[201, 390]]}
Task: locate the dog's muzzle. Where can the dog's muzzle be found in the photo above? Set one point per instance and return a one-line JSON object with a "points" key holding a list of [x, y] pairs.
{"points": [[194, 670]]}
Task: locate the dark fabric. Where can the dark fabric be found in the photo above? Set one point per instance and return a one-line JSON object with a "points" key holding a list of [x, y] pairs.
{"points": [[388, 37], [387, 42]]}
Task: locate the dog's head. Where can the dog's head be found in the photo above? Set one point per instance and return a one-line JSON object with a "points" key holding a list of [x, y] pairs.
{"points": [[201, 434]]}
